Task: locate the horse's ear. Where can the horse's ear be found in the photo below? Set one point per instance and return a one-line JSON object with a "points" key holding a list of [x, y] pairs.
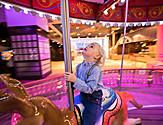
{"points": [[62, 109], [8, 75], [65, 110]]}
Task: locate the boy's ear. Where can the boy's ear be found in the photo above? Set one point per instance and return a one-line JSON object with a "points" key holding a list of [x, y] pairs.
{"points": [[97, 57]]}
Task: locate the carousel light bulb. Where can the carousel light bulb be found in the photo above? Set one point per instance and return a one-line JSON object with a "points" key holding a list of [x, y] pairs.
{"points": [[25, 11], [87, 22], [54, 17], [3, 41], [143, 23], [92, 22], [152, 23], [74, 20], [122, 1], [41, 14], [7, 6], [106, 12], [93, 27], [113, 7], [161, 22], [83, 21]]}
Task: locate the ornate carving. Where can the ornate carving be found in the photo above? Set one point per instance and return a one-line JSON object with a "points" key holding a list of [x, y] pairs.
{"points": [[155, 12]]}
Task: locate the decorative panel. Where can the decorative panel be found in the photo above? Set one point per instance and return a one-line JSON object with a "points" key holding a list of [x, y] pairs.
{"points": [[30, 50]]}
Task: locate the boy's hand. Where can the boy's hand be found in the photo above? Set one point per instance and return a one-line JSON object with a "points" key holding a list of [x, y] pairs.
{"points": [[70, 77]]}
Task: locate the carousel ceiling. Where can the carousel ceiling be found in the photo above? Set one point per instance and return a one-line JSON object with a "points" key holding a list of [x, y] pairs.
{"points": [[92, 18], [139, 10], [80, 30]]}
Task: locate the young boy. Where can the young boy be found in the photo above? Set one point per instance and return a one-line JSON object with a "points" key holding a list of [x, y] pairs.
{"points": [[88, 82]]}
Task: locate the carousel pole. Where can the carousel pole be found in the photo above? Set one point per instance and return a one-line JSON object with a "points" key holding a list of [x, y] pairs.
{"points": [[67, 48], [123, 47]]}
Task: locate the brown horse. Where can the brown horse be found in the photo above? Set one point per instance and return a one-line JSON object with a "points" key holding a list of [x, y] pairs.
{"points": [[34, 110]]}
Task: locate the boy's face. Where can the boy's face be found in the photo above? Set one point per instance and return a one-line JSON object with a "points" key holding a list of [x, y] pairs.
{"points": [[91, 50]]}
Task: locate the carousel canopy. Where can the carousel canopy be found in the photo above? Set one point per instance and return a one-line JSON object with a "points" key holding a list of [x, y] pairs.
{"points": [[100, 10]]}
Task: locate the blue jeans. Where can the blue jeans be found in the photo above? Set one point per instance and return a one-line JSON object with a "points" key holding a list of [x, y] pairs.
{"points": [[91, 113], [92, 107]]}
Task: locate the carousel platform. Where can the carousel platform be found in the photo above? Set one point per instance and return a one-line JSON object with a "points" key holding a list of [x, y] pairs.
{"points": [[150, 114]]}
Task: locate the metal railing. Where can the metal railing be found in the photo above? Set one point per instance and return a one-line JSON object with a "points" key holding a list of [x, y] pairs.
{"points": [[133, 76], [55, 87]]}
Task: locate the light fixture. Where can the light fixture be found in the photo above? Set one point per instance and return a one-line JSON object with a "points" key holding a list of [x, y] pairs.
{"points": [[89, 34], [25, 11], [93, 27], [3, 41], [83, 21], [113, 6], [77, 27], [99, 33], [78, 34], [74, 20], [107, 26], [41, 14], [106, 12], [54, 17], [7, 6], [39, 29], [161, 22], [122, 1]]}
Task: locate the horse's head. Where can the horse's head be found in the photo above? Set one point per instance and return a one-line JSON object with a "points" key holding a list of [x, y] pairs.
{"points": [[14, 86]]}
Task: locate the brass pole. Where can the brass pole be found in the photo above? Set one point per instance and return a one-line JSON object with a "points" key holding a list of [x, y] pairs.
{"points": [[123, 47], [67, 49]]}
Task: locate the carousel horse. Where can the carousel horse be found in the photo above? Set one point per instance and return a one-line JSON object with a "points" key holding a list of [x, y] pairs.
{"points": [[41, 111], [33, 110], [114, 109]]}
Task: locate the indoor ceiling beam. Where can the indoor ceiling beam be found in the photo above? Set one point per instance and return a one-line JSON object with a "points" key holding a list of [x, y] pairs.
{"points": [[55, 29]]}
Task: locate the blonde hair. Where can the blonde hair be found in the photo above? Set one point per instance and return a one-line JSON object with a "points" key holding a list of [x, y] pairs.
{"points": [[101, 59]]}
